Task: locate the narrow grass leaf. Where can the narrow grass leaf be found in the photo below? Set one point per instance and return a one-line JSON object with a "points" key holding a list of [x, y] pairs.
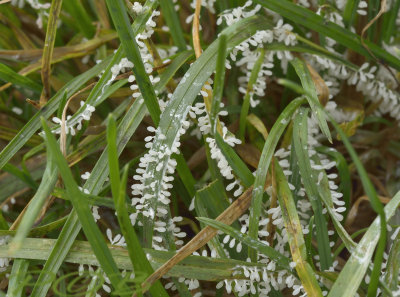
{"points": [[393, 266], [172, 20], [135, 251], [295, 234], [263, 165], [17, 278], [219, 80], [300, 140], [127, 37], [309, 86], [10, 76]]}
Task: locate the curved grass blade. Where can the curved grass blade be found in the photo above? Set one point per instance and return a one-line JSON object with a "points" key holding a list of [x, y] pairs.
{"points": [[45, 188], [300, 140], [303, 16], [84, 214], [263, 165], [183, 97], [295, 234], [354, 271], [270, 252], [308, 85], [393, 266], [127, 37], [118, 186]]}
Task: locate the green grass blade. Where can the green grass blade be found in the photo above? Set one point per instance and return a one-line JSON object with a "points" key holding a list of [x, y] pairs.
{"points": [[219, 80], [354, 271], [295, 234], [303, 16], [263, 165], [84, 214], [9, 75], [308, 85], [127, 37], [46, 187], [270, 252], [350, 12], [196, 267], [249, 92], [136, 253], [389, 21], [17, 278], [183, 97], [300, 139], [78, 12], [172, 20]]}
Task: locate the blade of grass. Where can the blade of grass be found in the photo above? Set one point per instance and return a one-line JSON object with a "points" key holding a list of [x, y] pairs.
{"points": [[219, 80], [195, 267], [349, 13], [295, 234], [300, 139], [172, 20], [10, 76], [45, 188], [84, 214], [393, 266], [389, 21], [121, 21], [308, 85], [307, 18], [135, 251], [17, 277], [78, 12], [263, 165]]}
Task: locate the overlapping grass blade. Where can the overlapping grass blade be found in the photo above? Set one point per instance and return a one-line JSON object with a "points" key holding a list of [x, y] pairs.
{"points": [[84, 214], [295, 234], [127, 37], [184, 95], [354, 271], [300, 141], [263, 165], [303, 16], [393, 266], [45, 188], [118, 186]]}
